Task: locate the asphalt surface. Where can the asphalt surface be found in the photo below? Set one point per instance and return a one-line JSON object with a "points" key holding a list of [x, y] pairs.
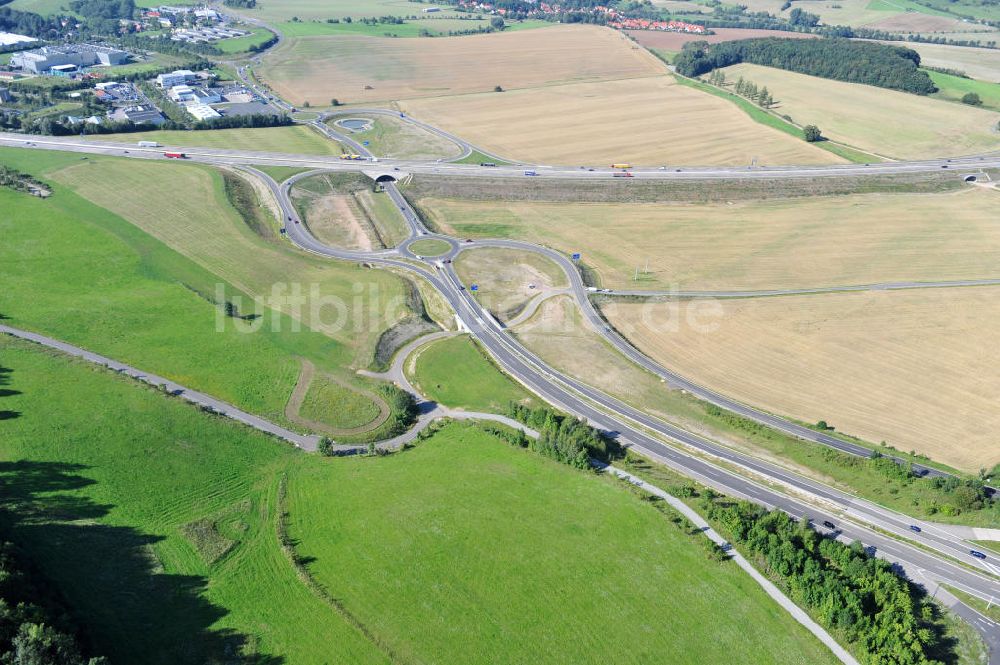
{"points": [[961, 166]]}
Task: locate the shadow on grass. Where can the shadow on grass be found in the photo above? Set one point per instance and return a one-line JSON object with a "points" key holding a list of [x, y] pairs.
{"points": [[5, 373], [127, 607]]}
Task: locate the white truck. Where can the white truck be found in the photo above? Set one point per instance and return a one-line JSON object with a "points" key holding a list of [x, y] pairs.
{"points": [[148, 144]]}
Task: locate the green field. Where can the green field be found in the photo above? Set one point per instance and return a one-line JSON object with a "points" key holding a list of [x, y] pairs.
{"points": [[418, 28], [295, 139], [332, 403], [475, 552], [429, 247], [102, 479], [457, 373], [257, 37], [159, 524], [78, 272], [953, 88]]}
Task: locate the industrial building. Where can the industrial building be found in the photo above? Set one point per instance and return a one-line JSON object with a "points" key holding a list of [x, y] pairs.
{"points": [[139, 114], [185, 94], [176, 77], [202, 111], [43, 60]]}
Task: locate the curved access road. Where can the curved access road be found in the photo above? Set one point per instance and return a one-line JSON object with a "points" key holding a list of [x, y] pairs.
{"points": [[692, 455]]}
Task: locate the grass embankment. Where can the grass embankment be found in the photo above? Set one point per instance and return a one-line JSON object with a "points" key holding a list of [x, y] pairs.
{"points": [[77, 272], [294, 139], [160, 524], [457, 373]]}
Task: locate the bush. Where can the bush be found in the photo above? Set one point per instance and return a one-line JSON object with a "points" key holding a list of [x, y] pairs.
{"points": [[564, 438], [972, 99]]}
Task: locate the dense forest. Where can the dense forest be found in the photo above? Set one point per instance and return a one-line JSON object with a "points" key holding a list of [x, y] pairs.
{"points": [[893, 67]]}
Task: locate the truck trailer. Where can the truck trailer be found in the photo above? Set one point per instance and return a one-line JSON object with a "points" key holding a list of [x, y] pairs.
{"points": [[175, 155], [148, 144]]}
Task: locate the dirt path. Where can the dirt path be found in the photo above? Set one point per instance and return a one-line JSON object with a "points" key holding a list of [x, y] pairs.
{"points": [[298, 395]]}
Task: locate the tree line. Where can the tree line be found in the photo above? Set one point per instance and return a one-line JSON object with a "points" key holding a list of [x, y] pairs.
{"points": [[884, 618], [563, 438], [893, 67], [35, 628]]}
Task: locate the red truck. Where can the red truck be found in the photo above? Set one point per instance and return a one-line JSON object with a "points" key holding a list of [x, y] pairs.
{"points": [[174, 155]]}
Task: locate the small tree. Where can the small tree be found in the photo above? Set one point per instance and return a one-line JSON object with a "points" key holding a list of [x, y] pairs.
{"points": [[972, 99], [497, 23], [306, 104], [498, 89], [812, 134], [334, 102]]}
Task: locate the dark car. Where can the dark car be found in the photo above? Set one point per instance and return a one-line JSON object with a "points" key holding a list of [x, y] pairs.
{"points": [[829, 525], [915, 529], [977, 554]]}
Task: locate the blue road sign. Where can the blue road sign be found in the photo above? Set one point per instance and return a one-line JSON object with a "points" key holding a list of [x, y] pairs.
{"points": [[576, 256], [474, 287]]}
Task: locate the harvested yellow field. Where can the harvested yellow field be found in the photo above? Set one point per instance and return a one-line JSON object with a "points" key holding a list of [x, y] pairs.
{"points": [[886, 122], [909, 367], [979, 63], [774, 243], [365, 70], [650, 121]]}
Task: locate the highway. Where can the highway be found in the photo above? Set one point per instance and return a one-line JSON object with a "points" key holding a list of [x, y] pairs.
{"points": [[631, 427], [695, 457], [960, 166]]}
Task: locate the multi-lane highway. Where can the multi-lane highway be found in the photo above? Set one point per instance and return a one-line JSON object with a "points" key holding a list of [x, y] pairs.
{"points": [[934, 558]]}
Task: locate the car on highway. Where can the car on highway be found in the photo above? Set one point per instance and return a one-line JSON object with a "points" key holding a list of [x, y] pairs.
{"points": [[915, 529], [829, 525], [977, 554]]}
